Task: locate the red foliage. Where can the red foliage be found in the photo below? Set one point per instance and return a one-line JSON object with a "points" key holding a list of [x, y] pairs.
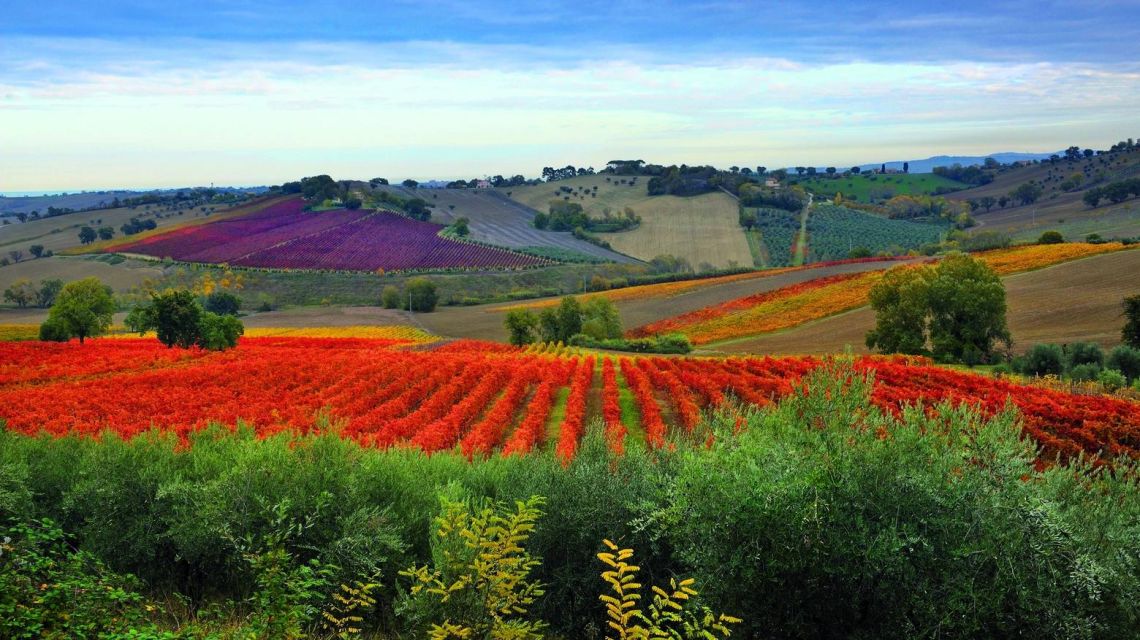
{"points": [[611, 408]]}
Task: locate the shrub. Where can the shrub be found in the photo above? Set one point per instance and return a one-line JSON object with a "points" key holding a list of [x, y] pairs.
{"points": [[1111, 379], [54, 331], [390, 297], [1126, 360], [1084, 372], [1043, 359], [1051, 237], [223, 303], [422, 295], [1079, 353]]}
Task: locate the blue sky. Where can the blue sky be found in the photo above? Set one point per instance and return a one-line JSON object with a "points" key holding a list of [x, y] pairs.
{"points": [[141, 94]]}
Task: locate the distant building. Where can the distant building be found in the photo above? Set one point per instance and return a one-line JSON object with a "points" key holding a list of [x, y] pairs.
{"points": [[483, 184], [772, 183]]}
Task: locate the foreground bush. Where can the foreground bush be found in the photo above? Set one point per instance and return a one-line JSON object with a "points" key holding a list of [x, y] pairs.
{"points": [[822, 517]]}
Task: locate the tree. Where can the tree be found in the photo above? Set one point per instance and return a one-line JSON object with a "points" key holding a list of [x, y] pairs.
{"points": [[411, 184], [20, 293], [223, 303], [390, 297], [106, 233], [173, 315], [86, 235], [600, 319], [16, 255], [460, 227], [1027, 193], [569, 318], [82, 310], [422, 295], [37, 250], [521, 326], [218, 332], [900, 302], [48, 291], [1130, 334], [906, 167], [957, 306], [1051, 237], [1042, 360], [987, 202], [548, 326]]}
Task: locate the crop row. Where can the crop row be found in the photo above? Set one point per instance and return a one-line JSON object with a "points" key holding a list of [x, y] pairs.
{"points": [[474, 399], [285, 236], [833, 231]]}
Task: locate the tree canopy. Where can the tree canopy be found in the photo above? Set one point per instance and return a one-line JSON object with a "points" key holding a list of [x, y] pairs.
{"points": [[954, 311], [82, 309]]}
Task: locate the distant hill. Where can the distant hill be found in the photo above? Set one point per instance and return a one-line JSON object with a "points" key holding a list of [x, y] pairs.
{"points": [[927, 165], [87, 199]]}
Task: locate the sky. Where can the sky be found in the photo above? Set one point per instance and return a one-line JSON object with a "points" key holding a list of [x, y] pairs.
{"points": [[147, 93]]}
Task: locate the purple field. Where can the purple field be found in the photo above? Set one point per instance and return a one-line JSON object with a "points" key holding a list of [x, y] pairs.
{"points": [[284, 236]]}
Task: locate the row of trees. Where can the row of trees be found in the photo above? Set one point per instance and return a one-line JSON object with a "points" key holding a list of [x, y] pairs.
{"points": [[23, 293], [418, 294], [1114, 192], [179, 320], [87, 234], [597, 319], [568, 216]]}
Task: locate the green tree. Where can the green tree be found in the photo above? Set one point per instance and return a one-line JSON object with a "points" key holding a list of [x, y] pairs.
{"points": [[86, 235], [1027, 192], [460, 226], [548, 326], [600, 319], [390, 297], [106, 233], [173, 315], [901, 304], [1130, 334], [37, 250], [223, 303], [217, 332], [569, 318], [21, 293], [422, 295], [49, 289], [83, 309], [1042, 360], [957, 307], [1051, 237], [967, 304], [521, 326]]}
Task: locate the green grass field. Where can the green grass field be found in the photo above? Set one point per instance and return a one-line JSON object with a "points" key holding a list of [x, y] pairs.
{"points": [[875, 187]]}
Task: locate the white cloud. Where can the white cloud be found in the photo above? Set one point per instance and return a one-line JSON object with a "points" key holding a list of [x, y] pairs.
{"points": [[193, 112]]}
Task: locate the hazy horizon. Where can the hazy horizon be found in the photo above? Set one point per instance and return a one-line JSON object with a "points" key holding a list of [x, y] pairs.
{"points": [[98, 97]]}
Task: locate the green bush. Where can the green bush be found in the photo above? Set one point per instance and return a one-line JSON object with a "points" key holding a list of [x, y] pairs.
{"points": [[1111, 380], [1079, 353], [1084, 372], [390, 297], [1051, 237], [53, 330], [1043, 359], [1126, 360]]}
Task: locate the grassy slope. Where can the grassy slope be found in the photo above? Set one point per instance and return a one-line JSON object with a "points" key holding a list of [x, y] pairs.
{"points": [[1057, 209], [866, 188], [1069, 302], [701, 229]]}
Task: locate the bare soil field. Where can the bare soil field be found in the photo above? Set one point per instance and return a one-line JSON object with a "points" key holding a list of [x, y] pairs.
{"points": [[1069, 302]]}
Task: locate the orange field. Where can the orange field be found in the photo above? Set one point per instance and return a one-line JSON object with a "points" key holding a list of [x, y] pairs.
{"points": [[476, 397], [797, 304]]}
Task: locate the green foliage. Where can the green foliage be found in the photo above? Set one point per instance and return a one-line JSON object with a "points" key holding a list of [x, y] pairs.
{"points": [[869, 526], [48, 590], [1051, 237], [834, 231], [521, 325], [1042, 360], [478, 584], [223, 303], [54, 331], [422, 295], [1027, 192], [461, 227], [390, 297], [48, 291], [1084, 372], [21, 293], [1078, 353], [86, 235], [668, 343], [957, 305], [1126, 360], [344, 617], [173, 315], [82, 310], [1130, 334], [1111, 380], [218, 332]]}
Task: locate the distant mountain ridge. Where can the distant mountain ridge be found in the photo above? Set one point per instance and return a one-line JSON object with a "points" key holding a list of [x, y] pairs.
{"points": [[85, 199], [927, 165]]}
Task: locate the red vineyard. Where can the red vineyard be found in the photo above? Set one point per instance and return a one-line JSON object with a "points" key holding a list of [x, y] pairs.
{"points": [[478, 398]]}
